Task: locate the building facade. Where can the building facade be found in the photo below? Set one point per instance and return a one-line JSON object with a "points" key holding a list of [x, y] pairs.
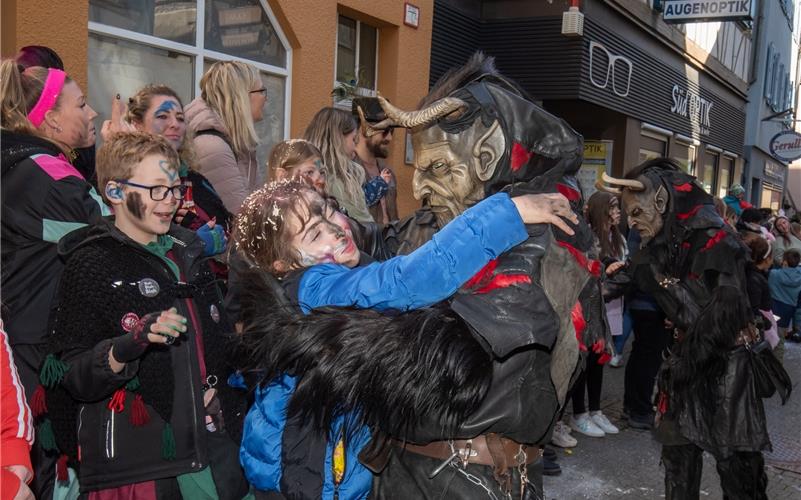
{"points": [[303, 49], [770, 107], [632, 85]]}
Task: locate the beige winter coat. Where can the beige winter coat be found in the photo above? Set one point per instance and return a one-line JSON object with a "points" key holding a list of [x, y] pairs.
{"points": [[232, 177]]}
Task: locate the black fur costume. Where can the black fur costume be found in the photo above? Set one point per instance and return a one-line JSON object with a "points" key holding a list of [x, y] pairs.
{"points": [[709, 399]]}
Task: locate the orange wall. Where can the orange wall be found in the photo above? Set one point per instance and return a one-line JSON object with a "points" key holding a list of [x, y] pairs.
{"points": [[60, 25], [403, 62]]}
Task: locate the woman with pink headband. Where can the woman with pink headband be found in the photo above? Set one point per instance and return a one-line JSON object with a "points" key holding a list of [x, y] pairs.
{"points": [[44, 117]]}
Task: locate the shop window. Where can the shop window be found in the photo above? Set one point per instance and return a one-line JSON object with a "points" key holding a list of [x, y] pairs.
{"points": [[684, 154], [242, 29], [771, 196], [708, 171], [135, 42], [652, 146], [357, 53], [725, 176], [170, 20]]}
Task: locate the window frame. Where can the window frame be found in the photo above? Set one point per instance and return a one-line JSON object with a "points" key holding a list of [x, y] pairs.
{"points": [[361, 90], [199, 53]]}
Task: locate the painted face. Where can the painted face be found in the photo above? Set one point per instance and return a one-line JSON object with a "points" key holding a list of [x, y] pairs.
{"points": [[312, 171], [378, 144], [258, 98], [165, 117], [320, 240], [74, 118], [145, 217], [450, 170], [350, 144], [644, 210], [339, 219]]}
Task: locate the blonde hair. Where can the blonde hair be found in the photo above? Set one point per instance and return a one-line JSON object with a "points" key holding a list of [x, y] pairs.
{"points": [[226, 90], [291, 153], [20, 91], [327, 131], [139, 103], [122, 153]]}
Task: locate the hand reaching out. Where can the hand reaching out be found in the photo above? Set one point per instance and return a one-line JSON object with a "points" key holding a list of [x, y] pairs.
{"points": [[549, 208]]}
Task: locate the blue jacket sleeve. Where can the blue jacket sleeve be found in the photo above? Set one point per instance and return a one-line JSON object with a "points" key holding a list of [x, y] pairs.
{"points": [[430, 274]]}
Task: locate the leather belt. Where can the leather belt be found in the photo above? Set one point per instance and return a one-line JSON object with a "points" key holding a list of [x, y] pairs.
{"points": [[478, 450]]}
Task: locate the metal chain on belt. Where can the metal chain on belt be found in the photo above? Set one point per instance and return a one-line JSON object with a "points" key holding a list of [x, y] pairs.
{"points": [[477, 481]]}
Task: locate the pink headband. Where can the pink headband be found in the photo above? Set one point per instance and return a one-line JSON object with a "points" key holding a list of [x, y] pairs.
{"points": [[52, 89]]}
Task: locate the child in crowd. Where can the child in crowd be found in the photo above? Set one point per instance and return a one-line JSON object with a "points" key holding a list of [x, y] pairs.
{"points": [[298, 158], [139, 343], [785, 288], [287, 230], [759, 291]]}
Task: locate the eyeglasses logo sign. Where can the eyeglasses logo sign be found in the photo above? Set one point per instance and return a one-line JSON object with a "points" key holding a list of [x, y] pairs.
{"points": [[617, 72]]}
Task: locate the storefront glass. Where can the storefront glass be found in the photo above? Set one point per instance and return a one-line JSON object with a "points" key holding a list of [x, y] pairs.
{"points": [[241, 28], [707, 174], [684, 154], [725, 176], [174, 21], [651, 147], [771, 196]]}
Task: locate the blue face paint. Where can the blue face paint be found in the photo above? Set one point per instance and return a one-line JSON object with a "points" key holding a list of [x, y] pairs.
{"points": [[170, 172], [165, 107]]}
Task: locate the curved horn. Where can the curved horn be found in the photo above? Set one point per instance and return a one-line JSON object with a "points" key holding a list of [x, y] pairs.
{"points": [[632, 184], [600, 186], [367, 129], [411, 119]]}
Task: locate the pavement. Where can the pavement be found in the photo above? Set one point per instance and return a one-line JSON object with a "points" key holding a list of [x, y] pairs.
{"points": [[626, 465]]}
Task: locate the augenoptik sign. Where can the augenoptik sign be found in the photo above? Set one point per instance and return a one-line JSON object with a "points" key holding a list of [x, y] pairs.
{"points": [[786, 146], [693, 11]]}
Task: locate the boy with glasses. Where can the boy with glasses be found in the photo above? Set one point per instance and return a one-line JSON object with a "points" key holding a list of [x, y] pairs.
{"points": [[139, 343]]}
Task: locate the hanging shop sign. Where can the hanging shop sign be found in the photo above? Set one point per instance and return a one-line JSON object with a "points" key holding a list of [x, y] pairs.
{"points": [[786, 146], [693, 11], [690, 105]]}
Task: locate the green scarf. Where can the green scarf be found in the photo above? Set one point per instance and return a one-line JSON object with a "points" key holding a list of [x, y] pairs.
{"points": [[160, 247]]}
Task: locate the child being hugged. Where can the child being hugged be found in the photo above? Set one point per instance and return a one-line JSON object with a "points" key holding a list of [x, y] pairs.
{"points": [[288, 231], [138, 364]]}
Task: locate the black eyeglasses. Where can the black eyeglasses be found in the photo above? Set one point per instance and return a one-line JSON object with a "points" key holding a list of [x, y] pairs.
{"points": [[159, 193], [260, 91]]}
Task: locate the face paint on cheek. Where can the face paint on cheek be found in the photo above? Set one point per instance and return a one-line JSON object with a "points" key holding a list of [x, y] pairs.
{"points": [[133, 202], [308, 260], [170, 172]]}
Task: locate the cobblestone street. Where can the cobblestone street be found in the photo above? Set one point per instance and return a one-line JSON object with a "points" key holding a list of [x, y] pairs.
{"points": [[626, 466]]}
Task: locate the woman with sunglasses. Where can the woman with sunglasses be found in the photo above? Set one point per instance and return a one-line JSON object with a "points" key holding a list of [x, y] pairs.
{"points": [[222, 120]]}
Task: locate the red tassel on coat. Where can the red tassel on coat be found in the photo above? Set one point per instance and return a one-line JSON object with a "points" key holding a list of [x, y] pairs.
{"points": [[139, 415], [39, 402], [61, 469]]}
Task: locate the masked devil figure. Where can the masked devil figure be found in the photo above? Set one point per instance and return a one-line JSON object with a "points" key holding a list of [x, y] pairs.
{"points": [[461, 396], [712, 383]]}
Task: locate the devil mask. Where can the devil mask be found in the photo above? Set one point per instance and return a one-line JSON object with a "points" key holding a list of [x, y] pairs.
{"points": [[659, 198], [477, 133]]}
